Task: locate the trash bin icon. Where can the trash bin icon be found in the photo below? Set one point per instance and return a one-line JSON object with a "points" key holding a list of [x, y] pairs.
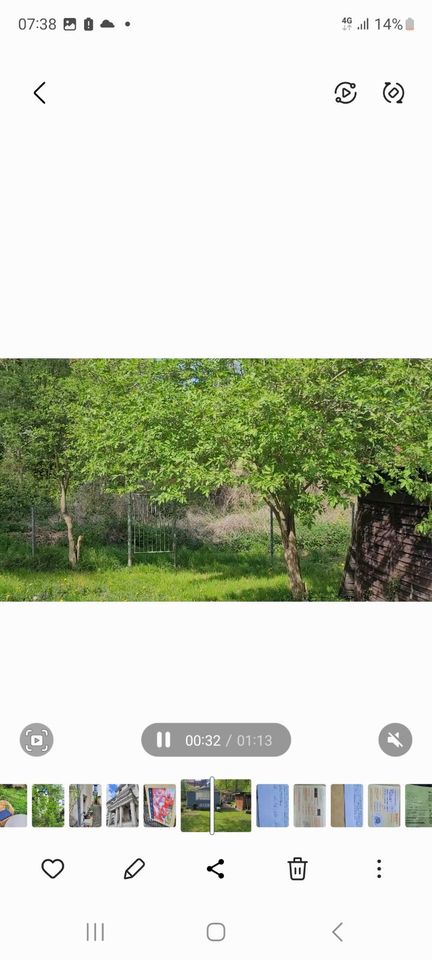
{"points": [[297, 868]]}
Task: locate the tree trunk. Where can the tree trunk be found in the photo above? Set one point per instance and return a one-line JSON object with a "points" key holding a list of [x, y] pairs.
{"points": [[286, 520], [73, 547]]}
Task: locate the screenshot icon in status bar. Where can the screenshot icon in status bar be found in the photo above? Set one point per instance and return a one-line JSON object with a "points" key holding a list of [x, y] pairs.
{"points": [[71, 24]]}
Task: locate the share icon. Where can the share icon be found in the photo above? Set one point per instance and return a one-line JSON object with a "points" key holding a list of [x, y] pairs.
{"points": [[211, 869]]}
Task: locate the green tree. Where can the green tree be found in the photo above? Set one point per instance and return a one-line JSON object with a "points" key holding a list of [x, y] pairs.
{"points": [[234, 786], [47, 805], [308, 432], [300, 432], [38, 406], [139, 425]]}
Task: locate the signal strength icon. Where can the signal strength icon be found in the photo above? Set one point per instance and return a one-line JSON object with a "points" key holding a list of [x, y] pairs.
{"points": [[364, 25]]}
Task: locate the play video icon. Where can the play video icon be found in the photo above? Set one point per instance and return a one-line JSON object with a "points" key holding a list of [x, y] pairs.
{"points": [[345, 92], [36, 739]]}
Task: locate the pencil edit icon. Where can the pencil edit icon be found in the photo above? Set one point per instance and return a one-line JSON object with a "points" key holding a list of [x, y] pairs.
{"points": [[134, 868]]}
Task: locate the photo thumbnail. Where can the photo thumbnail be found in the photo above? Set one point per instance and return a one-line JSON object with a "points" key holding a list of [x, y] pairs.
{"points": [[272, 805], [48, 805], [159, 805], [418, 805], [216, 806], [85, 805], [13, 805], [195, 806], [347, 805], [233, 806], [309, 805], [122, 805], [384, 805]]}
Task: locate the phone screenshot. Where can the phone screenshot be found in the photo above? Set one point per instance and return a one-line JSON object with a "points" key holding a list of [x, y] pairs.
{"points": [[215, 478]]}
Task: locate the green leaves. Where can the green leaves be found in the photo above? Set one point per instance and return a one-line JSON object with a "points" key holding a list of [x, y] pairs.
{"points": [[297, 431]]}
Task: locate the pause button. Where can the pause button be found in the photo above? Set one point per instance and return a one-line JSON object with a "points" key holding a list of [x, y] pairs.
{"points": [[163, 739]]}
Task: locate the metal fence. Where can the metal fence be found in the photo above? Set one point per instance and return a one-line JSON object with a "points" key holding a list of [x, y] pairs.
{"points": [[151, 528]]}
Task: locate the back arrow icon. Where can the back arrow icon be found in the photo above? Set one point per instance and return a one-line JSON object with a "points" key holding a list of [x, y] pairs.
{"points": [[39, 88], [337, 928]]}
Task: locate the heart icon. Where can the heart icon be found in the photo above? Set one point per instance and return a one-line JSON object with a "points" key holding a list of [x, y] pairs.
{"points": [[52, 868]]}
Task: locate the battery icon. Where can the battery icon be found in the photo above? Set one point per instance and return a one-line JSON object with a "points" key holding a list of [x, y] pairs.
{"points": [[88, 23], [409, 24]]}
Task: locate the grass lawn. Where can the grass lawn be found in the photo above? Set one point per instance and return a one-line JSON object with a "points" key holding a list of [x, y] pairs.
{"points": [[239, 570], [16, 797], [227, 821], [195, 821]]}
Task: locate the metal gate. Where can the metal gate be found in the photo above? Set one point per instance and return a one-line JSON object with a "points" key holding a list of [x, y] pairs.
{"points": [[151, 528]]}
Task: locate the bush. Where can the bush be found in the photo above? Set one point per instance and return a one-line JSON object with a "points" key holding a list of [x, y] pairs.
{"points": [[16, 552], [324, 540]]}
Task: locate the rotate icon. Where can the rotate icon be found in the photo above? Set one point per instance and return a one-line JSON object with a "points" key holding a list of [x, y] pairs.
{"points": [[393, 92]]}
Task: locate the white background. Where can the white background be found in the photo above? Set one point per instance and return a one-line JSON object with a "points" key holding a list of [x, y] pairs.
{"points": [[190, 187], [334, 674]]}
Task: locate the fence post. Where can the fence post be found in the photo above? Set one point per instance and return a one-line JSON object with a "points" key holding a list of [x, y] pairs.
{"points": [[33, 532], [175, 543], [271, 536], [129, 529]]}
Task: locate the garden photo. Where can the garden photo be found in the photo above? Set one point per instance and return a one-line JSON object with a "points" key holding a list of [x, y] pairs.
{"points": [[48, 805], [195, 805], [233, 805], [13, 805], [216, 479]]}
